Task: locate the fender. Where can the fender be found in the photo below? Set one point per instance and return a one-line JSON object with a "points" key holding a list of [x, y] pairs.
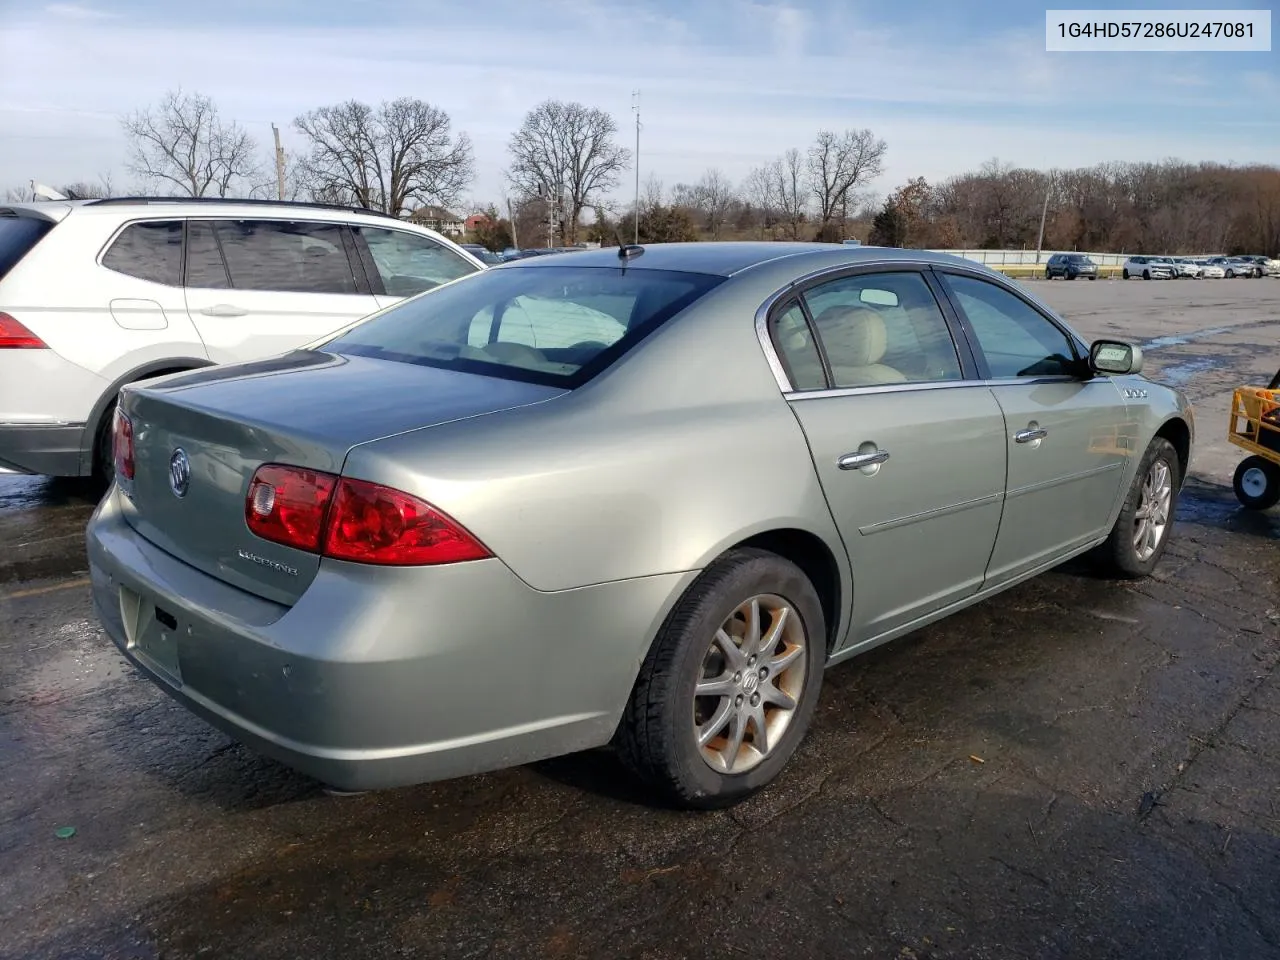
{"points": [[172, 364]]}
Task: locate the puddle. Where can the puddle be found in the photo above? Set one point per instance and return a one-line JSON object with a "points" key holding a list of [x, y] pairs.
{"points": [[1175, 340], [1177, 374]]}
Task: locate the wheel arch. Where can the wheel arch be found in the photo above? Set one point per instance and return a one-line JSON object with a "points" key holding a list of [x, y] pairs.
{"points": [[144, 371], [1178, 432]]}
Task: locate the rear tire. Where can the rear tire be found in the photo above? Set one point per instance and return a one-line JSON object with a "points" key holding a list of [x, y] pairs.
{"points": [[104, 464], [682, 744], [1257, 483], [1125, 273], [1141, 531]]}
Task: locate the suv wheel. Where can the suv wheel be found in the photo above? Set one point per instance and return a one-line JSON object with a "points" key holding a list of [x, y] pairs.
{"points": [[104, 465]]}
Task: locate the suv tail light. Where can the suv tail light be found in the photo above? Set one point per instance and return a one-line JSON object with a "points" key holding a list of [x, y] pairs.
{"points": [[122, 444], [353, 520], [14, 336]]}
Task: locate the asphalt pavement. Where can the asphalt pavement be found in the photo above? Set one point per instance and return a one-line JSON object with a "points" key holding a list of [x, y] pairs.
{"points": [[1075, 769]]}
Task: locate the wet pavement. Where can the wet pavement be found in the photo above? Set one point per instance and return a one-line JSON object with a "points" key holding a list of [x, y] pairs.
{"points": [[1078, 768]]}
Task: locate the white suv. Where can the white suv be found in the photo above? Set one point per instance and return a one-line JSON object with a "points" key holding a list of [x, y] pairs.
{"points": [[95, 294]]}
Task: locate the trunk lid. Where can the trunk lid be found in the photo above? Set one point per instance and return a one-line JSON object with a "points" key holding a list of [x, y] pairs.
{"points": [[304, 409]]}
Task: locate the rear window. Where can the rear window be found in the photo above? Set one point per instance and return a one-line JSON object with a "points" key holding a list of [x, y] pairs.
{"points": [[17, 236], [151, 250], [552, 325]]}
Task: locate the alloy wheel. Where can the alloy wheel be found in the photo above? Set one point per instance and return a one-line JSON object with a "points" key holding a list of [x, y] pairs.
{"points": [[1151, 519], [750, 684]]}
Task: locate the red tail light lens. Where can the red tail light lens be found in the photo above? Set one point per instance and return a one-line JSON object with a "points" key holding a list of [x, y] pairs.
{"points": [[122, 445], [287, 505], [353, 520], [375, 524], [14, 336]]}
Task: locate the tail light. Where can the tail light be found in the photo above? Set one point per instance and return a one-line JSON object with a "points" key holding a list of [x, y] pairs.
{"points": [[122, 444], [353, 520], [14, 336]]}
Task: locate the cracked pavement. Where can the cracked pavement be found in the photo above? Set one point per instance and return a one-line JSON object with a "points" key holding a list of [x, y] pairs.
{"points": [[1124, 800]]}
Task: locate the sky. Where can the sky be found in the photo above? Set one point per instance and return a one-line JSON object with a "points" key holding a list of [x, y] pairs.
{"points": [[728, 84]]}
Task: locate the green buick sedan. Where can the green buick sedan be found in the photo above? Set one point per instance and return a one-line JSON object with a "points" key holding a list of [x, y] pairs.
{"points": [[639, 496]]}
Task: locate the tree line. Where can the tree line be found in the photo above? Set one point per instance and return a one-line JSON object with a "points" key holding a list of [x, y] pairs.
{"points": [[566, 161]]}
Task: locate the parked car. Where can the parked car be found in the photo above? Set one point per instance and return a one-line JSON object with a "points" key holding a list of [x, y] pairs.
{"points": [[100, 293], [1185, 267], [1261, 265], [1232, 267], [1148, 268], [1069, 266], [1210, 270], [482, 253], [455, 537]]}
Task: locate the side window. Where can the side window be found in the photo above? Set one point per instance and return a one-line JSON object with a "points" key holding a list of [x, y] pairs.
{"points": [[1016, 339], [882, 328], [149, 251], [795, 345], [286, 256], [409, 264], [204, 260]]}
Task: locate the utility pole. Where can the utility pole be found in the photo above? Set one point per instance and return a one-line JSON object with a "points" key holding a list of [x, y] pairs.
{"points": [[279, 161], [511, 215], [635, 105], [1044, 211]]}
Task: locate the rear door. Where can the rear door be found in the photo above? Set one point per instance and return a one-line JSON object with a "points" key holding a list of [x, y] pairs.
{"points": [[1068, 438], [908, 444], [259, 287], [400, 263]]}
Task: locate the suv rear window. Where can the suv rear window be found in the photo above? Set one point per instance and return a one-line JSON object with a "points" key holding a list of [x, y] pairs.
{"points": [[18, 235], [552, 325], [151, 250]]}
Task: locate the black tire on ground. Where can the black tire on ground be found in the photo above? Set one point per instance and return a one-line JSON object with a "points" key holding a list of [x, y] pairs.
{"points": [[1146, 274], [1257, 483], [656, 738], [1117, 554], [1125, 273], [1093, 276], [104, 465], [1047, 274]]}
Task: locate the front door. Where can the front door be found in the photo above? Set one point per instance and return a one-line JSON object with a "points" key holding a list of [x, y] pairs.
{"points": [[909, 449], [1068, 437], [256, 288]]}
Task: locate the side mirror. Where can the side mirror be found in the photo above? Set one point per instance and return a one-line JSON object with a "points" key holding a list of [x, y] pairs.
{"points": [[1114, 358]]}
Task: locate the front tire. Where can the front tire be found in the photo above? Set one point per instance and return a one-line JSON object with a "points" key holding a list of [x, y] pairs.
{"points": [[1146, 274], [1141, 532], [1257, 483], [728, 688], [1125, 273]]}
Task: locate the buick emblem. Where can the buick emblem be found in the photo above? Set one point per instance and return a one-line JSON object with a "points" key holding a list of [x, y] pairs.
{"points": [[179, 473]]}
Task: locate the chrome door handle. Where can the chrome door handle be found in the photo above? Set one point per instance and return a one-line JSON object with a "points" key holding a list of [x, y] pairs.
{"points": [[224, 310], [855, 461], [1026, 436]]}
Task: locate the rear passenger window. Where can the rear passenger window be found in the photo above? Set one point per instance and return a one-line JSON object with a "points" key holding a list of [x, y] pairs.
{"points": [[286, 256], [794, 342], [204, 260], [149, 251], [882, 328]]}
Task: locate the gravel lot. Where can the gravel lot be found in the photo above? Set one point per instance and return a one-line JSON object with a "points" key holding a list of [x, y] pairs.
{"points": [[1127, 805]]}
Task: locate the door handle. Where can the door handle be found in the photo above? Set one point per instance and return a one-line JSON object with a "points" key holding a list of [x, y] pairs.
{"points": [[224, 310], [855, 461], [1029, 434]]}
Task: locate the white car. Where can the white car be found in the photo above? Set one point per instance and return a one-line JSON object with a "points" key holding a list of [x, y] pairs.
{"points": [[1185, 267], [1148, 268], [95, 294], [1210, 271]]}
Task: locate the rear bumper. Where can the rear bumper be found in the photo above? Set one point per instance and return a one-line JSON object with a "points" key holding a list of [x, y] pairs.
{"points": [[381, 677], [51, 450]]}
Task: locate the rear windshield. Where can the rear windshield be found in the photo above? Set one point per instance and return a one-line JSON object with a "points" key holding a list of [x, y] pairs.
{"points": [[17, 236], [557, 326]]}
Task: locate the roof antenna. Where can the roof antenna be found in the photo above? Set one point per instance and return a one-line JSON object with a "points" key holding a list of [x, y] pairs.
{"points": [[629, 251]]}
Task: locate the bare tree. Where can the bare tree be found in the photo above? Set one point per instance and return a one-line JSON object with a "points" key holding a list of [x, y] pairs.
{"points": [[760, 191], [566, 150], [791, 188], [403, 151], [841, 163], [83, 190], [711, 197], [184, 143]]}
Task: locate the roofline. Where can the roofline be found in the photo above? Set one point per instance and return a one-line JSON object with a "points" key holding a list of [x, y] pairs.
{"points": [[239, 201]]}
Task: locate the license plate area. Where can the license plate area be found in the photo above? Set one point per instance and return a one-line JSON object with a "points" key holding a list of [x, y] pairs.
{"points": [[152, 633]]}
